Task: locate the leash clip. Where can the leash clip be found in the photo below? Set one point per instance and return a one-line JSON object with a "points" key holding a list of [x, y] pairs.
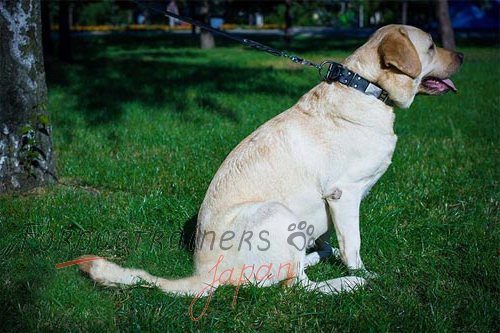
{"points": [[333, 72]]}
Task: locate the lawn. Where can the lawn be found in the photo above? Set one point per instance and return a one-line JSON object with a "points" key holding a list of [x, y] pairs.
{"points": [[141, 125]]}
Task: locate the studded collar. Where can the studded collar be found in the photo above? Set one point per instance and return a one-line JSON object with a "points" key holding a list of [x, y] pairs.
{"points": [[338, 73]]}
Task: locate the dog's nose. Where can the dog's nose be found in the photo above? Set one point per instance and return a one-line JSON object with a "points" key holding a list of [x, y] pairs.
{"points": [[460, 57]]}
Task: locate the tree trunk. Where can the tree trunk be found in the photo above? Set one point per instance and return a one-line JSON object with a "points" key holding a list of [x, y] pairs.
{"points": [[404, 12], [26, 156], [206, 38], [193, 14], [64, 32], [447, 35], [361, 16], [288, 21]]}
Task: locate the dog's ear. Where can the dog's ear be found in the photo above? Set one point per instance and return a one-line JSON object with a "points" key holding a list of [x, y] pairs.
{"points": [[396, 50]]}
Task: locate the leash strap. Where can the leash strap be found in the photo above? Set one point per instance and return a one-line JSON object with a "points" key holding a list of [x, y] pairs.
{"points": [[244, 41], [335, 71]]}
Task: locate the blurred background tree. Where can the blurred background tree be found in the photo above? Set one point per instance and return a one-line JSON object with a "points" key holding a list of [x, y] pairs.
{"points": [[445, 28], [106, 12], [431, 15]]}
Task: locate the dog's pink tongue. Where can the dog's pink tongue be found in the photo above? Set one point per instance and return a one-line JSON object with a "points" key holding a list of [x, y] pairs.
{"points": [[450, 84]]}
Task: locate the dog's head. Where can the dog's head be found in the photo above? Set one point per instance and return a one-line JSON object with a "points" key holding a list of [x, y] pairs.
{"points": [[404, 61]]}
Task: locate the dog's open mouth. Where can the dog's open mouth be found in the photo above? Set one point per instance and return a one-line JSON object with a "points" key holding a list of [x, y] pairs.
{"points": [[434, 86]]}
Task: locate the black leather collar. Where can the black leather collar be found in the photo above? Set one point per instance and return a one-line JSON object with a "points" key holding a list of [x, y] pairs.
{"points": [[338, 73]]}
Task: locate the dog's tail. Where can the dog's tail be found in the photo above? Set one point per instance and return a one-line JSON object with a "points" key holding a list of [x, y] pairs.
{"points": [[110, 274]]}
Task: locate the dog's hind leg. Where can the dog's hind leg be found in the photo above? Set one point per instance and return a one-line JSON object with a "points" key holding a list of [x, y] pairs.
{"points": [[332, 286]]}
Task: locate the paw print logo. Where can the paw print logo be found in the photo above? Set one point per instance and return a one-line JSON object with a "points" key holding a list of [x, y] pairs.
{"points": [[301, 235]]}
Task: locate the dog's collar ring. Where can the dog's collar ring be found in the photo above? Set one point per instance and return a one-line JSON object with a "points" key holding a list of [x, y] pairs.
{"points": [[332, 72]]}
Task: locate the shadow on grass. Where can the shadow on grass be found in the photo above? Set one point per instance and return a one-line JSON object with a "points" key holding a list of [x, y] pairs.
{"points": [[171, 76], [21, 294], [103, 86], [188, 236]]}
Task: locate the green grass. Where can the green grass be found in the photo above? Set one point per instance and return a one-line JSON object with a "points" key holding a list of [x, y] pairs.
{"points": [[141, 126]]}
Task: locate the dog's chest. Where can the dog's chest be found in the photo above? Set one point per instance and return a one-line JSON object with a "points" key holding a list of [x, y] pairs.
{"points": [[359, 158], [377, 162], [368, 160]]}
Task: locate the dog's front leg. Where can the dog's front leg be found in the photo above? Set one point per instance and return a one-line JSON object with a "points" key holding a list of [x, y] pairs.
{"points": [[344, 204]]}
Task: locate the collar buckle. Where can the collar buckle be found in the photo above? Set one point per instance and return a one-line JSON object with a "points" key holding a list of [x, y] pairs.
{"points": [[384, 96]]}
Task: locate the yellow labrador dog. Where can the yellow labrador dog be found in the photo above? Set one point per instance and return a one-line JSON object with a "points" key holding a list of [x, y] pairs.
{"points": [[304, 173]]}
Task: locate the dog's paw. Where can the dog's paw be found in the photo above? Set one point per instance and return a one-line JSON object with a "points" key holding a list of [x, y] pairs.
{"points": [[364, 273], [312, 259], [301, 235]]}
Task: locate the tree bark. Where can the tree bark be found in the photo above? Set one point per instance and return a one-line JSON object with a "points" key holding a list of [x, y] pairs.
{"points": [[447, 35], [26, 155]]}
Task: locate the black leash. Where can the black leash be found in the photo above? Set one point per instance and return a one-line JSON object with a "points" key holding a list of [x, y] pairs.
{"points": [[335, 72], [244, 41]]}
